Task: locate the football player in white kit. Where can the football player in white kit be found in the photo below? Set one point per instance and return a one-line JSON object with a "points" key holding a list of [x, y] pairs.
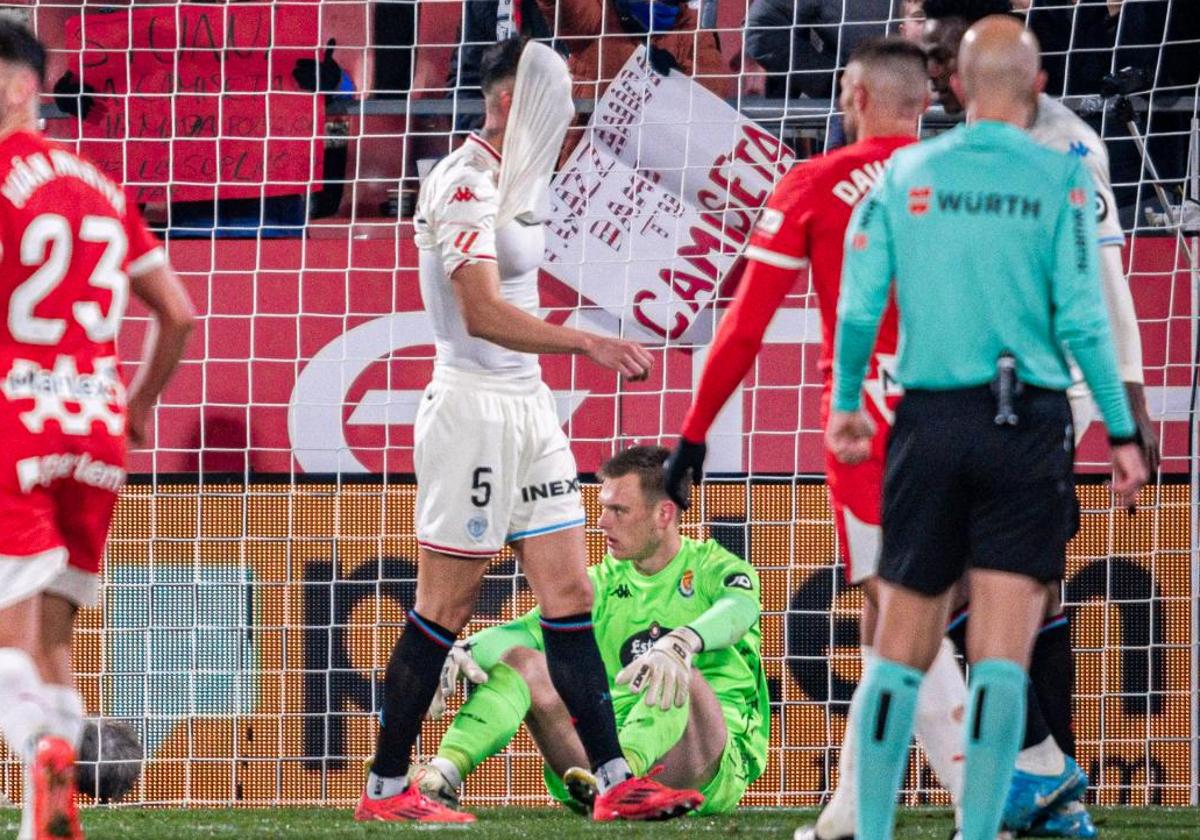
{"points": [[493, 465]]}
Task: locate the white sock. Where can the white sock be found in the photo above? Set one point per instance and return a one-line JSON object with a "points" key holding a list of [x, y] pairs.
{"points": [[837, 817], [65, 717], [26, 832], [612, 773], [449, 772], [1044, 759], [381, 787], [23, 706], [941, 709]]}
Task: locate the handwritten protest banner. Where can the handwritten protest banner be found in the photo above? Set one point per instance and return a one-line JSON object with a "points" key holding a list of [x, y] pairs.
{"points": [[197, 101], [656, 202]]}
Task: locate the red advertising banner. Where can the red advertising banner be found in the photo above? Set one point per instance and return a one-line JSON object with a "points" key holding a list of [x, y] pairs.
{"points": [[197, 101], [311, 355]]}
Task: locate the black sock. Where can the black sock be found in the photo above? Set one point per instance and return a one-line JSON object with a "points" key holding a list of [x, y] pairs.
{"points": [[1036, 729], [408, 686], [1052, 680], [577, 672]]}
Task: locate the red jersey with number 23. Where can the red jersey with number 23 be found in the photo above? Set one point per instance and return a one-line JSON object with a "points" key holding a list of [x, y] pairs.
{"points": [[69, 242]]}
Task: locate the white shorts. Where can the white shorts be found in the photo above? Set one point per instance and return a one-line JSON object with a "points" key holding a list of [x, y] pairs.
{"points": [[25, 577], [493, 464]]}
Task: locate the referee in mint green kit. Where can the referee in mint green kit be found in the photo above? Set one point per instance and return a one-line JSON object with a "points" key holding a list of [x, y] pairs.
{"points": [[989, 241]]}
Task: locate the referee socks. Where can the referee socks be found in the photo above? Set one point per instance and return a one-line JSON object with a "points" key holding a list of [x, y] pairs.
{"points": [[884, 720], [995, 725]]}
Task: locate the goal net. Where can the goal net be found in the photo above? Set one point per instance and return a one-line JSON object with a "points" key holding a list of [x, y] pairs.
{"points": [[263, 553]]}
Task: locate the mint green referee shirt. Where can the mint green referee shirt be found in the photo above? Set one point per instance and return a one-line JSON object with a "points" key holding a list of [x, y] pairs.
{"points": [[990, 241]]}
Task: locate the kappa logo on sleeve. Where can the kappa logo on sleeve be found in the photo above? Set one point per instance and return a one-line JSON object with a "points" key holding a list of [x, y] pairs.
{"points": [[918, 200], [463, 194], [739, 580], [770, 221]]}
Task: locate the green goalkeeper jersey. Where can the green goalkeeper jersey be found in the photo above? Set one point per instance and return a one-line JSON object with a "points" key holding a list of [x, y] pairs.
{"points": [[633, 610]]}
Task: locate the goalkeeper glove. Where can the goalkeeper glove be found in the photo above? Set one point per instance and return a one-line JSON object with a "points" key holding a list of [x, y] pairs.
{"points": [[458, 661], [665, 671], [685, 466]]}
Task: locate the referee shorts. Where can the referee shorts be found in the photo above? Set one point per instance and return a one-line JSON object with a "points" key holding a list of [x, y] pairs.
{"points": [[960, 491]]}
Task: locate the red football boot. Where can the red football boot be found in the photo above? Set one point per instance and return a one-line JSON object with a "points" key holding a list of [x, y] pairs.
{"points": [[642, 798], [55, 815], [409, 806]]}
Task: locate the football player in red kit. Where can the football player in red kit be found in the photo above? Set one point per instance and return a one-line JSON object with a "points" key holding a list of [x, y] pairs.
{"points": [[884, 93], [71, 250]]}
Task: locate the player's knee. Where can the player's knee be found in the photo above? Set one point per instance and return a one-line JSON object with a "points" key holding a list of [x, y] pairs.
{"points": [[449, 610], [572, 597], [532, 668]]}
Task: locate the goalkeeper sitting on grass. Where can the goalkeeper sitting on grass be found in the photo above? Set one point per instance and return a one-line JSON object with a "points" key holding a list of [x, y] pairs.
{"points": [[677, 625]]}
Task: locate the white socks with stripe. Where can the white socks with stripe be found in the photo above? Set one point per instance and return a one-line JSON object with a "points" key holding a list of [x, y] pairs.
{"points": [[24, 709], [941, 707], [64, 713], [24, 716]]}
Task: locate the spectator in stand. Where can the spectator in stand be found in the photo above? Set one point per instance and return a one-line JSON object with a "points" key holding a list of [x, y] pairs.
{"points": [[803, 44], [484, 23], [912, 20], [600, 35]]}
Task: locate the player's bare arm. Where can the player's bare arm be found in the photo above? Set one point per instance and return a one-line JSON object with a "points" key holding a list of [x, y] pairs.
{"points": [[489, 316], [166, 337]]}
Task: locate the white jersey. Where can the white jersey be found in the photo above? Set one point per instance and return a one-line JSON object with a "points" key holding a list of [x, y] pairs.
{"points": [[455, 226], [1058, 127]]}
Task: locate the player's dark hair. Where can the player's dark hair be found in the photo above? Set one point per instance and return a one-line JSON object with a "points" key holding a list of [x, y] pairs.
{"points": [[499, 62], [969, 10], [19, 46], [647, 462], [887, 50]]}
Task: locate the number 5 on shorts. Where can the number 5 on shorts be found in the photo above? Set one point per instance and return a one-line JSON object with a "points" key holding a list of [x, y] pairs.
{"points": [[480, 483]]}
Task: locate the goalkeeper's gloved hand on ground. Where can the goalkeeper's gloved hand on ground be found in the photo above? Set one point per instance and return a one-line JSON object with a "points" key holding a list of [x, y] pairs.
{"points": [[685, 467], [664, 672], [458, 661]]}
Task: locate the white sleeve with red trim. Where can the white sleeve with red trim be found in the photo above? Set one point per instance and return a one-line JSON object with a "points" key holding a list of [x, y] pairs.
{"points": [[462, 219], [145, 252], [780, 236]]}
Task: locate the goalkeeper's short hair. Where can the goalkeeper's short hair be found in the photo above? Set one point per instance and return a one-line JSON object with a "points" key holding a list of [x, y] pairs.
{"points": [[647, 462], [969, 10]]}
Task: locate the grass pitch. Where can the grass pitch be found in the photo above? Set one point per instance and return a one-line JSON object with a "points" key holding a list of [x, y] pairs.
{"points": [[531, 824]]}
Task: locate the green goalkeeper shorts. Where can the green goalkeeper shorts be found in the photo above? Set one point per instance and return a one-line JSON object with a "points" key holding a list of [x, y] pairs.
{"points": [[721, 794]]}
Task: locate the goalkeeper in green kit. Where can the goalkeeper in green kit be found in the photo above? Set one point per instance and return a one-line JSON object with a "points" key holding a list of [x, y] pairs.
{"points": [[677, 625]]}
